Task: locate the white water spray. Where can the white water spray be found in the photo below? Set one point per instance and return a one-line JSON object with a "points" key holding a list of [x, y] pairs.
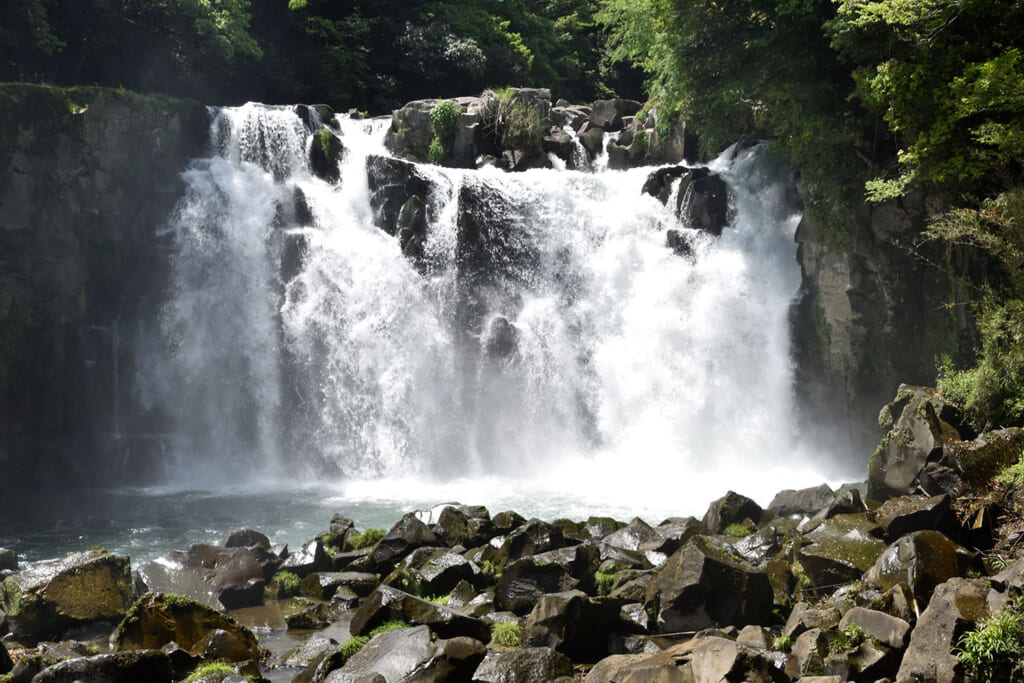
{"points": [[635, 380]]}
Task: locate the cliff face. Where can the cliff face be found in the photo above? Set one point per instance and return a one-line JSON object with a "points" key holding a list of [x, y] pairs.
{"points": [[876, 311], [87, 177]]}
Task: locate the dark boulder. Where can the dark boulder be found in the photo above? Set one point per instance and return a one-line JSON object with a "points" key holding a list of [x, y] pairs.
{"points": [[732, 508], [390, 604], [405, 536], [6, 664], [526, 664], [915, 437], [152, 666], [659, 183], [706, 583], [531, 538], [393, 656], [922, 560], [392, 183], [8, 560], [501, 339], [572, 623], [839, 550], [903, 515], [465, 525], [438, 570], [801, 502], [324, 155], [157, 619], [703, 203], [323, 585], [312, 557], [631, 536], [224, 578], [49, 598], [244, 538], [412, 228], [524, 581], [955, 607]]}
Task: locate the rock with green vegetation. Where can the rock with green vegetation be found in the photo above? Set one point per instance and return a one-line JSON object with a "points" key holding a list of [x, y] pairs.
{"points": [[989, 454], [120, 667], [405, 536], [905, 514], [527, 664], [994, 649], [804, 617], [325, 154], [917, 434], [524, 581], [888, 630], [955, 607], [922, 560], [304, 614], [438, 570], [49, 598], [224, 578], [839, 550], [394, 655], [157, 619], [573, 623], [707, 583], [465, 525], [732, 508], [390, 604]]}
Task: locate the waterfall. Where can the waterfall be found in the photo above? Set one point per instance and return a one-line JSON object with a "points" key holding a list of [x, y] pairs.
{"points": [[545, 347]]}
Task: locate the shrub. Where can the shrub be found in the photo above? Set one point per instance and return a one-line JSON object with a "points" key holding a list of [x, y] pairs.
{"points": [[445, 118], [994, 651], [365, 539], [507, 633], [782, 643], [210, 669], [516, 125], [604, 582], [436, 152], [738, 530], [287, 583]]}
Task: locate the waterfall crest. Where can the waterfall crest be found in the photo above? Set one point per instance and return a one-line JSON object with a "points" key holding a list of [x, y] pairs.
{"points": [[543, 343]]}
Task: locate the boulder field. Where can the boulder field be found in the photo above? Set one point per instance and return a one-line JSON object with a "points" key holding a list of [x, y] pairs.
{"points": [[876, 581]]}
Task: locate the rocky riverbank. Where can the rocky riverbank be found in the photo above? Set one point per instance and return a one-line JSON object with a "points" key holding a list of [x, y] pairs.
{"points": [[877, 581]]}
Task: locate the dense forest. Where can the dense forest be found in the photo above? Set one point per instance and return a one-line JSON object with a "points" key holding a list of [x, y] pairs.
{"points": [[872, 100]]}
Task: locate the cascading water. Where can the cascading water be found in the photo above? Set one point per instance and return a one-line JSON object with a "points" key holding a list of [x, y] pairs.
{"points": [[546, 351]]}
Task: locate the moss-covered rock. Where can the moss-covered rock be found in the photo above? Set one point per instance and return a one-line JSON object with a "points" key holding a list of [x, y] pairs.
{"points": [[49, 598], [157, 619]]}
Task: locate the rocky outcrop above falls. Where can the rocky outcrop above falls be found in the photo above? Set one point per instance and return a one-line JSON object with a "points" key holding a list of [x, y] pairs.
{"points": [[87, 175], [519, 128]]}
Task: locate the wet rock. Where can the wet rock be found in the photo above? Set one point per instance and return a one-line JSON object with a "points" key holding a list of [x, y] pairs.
{"points": [[631, 536], [438, 571], [840, 550], [47, 599], [955, 607], [916, 437], [526, 664], [921, 560], [224, 578], [393, 655], [801, 502], [704, 204], [706, 583], [390, 604], [572, 623], [524, 581], [405, 536], [244, 538], [8, 560], [805, 618], [392, 183], [531, 538], [158, 619], [659, 183], [307, 615], [678, 243], [758, 547], [412, 227], [465, 525], [323, 585], [324, 155], [561, 144], [888, 630], [310, 651], [903, 515], [312, 557], [732, 508], [501, 339], [122, 667]]}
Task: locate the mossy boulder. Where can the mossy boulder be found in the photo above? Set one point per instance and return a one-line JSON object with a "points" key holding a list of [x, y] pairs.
{"points": [[390, 604], [47, 599], [157, 619], [732, 508], [921, 560], [324, 155], [840, 550], [152, 666]]}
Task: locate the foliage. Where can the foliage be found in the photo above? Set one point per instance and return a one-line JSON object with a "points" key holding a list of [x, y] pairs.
{"points": [[439, 599], [737, 529], [437, 151], [782, 643], [368, 538], [604, 582], [847, 638], [1012, 476], [287, 583], [444, 116], [350, 647], [490, 570], [507, 633], [515, 123], [388, 626], [994, 651], [210, 669]]}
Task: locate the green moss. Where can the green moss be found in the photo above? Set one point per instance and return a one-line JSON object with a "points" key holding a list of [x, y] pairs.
{"points": [[440, 599], [287, 584], [640, 142], [738, 530], [604, 582], [210, 669], [491, 570], [368, 538], [388, 626], [350, 647], [175, 601], [507, 633], [782, 643]]}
